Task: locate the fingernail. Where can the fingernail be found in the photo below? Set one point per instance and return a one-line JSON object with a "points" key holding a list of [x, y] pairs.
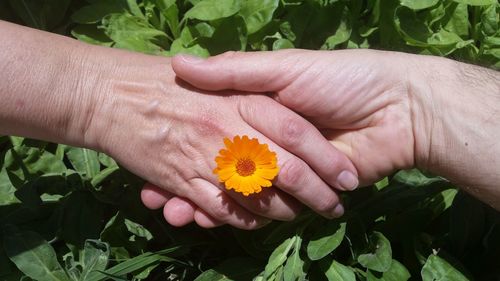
{"points": [[347, 180], [192, 59], [338, 211]]}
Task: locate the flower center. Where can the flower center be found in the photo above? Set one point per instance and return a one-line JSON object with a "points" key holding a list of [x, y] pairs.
{"points": [[245, 167]]}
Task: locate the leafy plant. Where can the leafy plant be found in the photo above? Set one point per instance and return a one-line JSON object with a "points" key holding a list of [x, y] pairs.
{"points": [[73, 214]]}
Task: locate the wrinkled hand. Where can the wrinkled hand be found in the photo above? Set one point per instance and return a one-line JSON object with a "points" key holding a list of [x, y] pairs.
{"points": [[168, 133], [361, 100]]}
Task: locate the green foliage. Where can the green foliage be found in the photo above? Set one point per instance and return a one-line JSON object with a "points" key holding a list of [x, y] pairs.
{"points": [[73, 214]]}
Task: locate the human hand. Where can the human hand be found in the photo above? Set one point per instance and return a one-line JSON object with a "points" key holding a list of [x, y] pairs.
{"points": [[360, 100], [169, 134], [386, 110]]}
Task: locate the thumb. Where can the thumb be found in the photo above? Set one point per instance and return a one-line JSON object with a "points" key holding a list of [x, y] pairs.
{"points": [[252, 71]]}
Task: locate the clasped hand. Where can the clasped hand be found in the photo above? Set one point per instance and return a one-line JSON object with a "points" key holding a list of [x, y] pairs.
{"points": [[359, 108]]}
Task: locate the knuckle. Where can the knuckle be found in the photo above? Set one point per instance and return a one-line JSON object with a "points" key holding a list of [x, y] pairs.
{"points": [[292, 174], [208, 124], [293, 131]]}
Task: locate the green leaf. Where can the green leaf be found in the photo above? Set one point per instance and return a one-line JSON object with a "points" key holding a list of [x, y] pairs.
{"points": [[477, 2], [95, 257], [490, 20], [186, 44], [84, 161], [229, 35], [171, 13], [104, 175], [33, 256], [336, 271], [418, 4], [120, 231], [7, 190], [212, 275], [279, 256], [133, 33], [414, 177], [213, 9], [134, 264], [380, 258], [295, 268], [106, 160], [437, 269], [282, 44], [397, 272], [258, 13], [342, 32], [326, 240]]}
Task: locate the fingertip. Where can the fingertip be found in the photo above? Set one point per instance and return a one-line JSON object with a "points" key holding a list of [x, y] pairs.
{"points": [[153, 197], [179, 211]]}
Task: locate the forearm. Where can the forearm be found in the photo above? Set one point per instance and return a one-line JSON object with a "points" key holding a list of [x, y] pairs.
{"points": [[463, 135], [47, 88]]}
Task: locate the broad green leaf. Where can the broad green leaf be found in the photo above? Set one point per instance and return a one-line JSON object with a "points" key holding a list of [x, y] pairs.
{"points": [[258, 13], [380, 258], [84, 161], [95, 257], [458, 20], [106, 160], [490, 20], [212, 275], [336, 271], [7, 190], [186, 44], [33, 256], [477, 2], [416, 33], [295, 269], [120, 231], [213, 9], [170, 12], [414, 177], [228, 35], [418, 4], [133, 33], [397, 272], [282, 43], [26, 162], [326, 240], [104, 175], [279, 256], [437, 269], [342, 32]]}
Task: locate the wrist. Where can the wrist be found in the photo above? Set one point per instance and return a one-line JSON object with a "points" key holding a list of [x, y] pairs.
{"points": [[462, 124], [128, 87]]}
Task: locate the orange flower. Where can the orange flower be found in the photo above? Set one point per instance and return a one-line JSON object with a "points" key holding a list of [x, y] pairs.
{"points": [[246, 166]]}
